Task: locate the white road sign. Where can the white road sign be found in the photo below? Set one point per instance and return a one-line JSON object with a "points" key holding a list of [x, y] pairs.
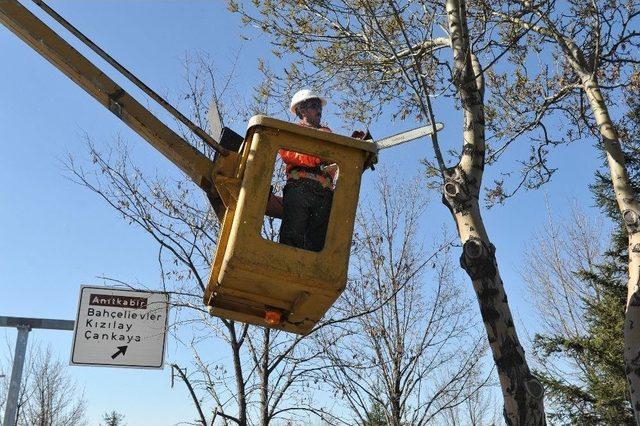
{"points": [[120, 328]]}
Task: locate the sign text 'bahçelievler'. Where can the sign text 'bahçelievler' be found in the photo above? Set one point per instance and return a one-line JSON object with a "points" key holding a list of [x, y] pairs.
{"points": [[120, 328]]}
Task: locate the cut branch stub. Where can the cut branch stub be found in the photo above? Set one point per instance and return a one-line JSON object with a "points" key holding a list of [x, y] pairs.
{"points": [[473, 248], [634, 301], [630, 218], [535, 388], [635, 364], [478, 259], [451, 189], [456, 191]]}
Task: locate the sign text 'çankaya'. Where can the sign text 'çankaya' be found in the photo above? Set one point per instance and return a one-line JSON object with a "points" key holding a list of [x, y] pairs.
{"points": [[120, 328]]}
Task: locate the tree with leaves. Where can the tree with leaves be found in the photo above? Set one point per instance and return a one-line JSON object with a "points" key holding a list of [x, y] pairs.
{"points": [[379, 54], [579, 295], [592, 59], [588, 297]]}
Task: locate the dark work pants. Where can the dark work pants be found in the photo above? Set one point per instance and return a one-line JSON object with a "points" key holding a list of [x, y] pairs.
{"points": [[307, 206]]}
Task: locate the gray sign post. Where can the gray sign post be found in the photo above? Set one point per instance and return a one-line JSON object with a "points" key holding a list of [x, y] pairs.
{"points": [[24, 326]]}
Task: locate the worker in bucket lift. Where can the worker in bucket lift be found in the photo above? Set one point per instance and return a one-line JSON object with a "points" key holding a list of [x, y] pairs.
{"points": [[308, 193]]}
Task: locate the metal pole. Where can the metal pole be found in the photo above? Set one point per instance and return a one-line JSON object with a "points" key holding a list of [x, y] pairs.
{"points": [[16, 376], [24, 326]]}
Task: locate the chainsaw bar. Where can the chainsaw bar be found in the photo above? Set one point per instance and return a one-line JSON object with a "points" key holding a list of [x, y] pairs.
{"points": [[403, 137]]}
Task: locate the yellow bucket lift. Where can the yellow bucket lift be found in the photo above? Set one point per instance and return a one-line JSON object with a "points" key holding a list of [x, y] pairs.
{"points": [[262, 282], [252, 279]]}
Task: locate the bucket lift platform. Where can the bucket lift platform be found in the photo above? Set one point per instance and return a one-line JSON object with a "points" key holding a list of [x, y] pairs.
{"points": [[251, 275]]}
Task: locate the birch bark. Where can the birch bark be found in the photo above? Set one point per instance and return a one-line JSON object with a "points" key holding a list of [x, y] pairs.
{"points": [[630, 211], [522, 392], [586, 68], [629, 208]]}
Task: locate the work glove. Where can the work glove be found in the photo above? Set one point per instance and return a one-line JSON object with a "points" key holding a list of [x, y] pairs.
{"points": [[359, 134], [372, 158], [329, 168]]}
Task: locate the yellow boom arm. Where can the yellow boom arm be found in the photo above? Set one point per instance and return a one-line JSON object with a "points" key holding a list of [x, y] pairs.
{"points": [[74, 65]]}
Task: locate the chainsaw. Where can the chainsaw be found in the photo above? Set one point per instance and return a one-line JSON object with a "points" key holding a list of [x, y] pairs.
{"points": [[397, 139], [410, 135]]}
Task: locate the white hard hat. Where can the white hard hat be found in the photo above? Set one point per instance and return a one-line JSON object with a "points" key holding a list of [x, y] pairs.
{"points": [[303, 95]]}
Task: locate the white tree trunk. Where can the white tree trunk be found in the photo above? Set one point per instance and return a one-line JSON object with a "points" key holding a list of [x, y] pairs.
{"points": [[630, 211], [522, 392]]}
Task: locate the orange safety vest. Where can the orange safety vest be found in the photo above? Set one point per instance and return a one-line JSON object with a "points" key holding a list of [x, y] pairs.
{"points": [[305, 166]]}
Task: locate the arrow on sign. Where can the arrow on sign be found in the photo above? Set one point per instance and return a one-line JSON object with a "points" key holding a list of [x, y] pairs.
{"points": [[121, 350]]}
